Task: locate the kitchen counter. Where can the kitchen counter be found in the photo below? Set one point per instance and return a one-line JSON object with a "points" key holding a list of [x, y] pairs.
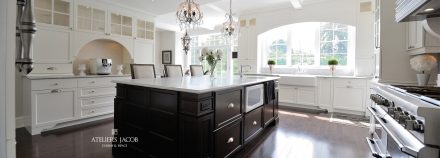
{"points": [[64, 76], [308, 75], [198, 84]]}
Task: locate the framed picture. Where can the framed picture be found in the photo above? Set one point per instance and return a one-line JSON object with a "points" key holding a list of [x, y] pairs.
{"points": [[166, 57]]}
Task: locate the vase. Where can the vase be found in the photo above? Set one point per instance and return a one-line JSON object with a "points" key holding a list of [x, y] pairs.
{"points": [[82, 69], [271, 68], [333, 69], [211, 71], [119, 69], [422, 79]]}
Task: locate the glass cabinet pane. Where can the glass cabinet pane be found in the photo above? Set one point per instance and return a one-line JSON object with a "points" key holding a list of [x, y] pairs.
{"points": [[126, 31], [98, 26], [140, 24], [150, 35], [98, 15], [141, 34], [84, 11], [61, 6], [126, 21], [61, 19], [44, 4], [115, 19], [116, 29], [43, 16], [150, 26], [84, 23]]}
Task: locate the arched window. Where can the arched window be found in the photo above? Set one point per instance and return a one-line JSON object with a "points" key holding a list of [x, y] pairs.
{"points": [[278, 52]]}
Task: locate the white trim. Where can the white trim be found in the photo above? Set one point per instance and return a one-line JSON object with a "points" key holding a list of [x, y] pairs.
{"points": [[21, 121], [3, 5], [11, 8]]}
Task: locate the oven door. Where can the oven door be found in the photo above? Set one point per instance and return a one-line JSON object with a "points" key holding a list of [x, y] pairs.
{"points": [[377, 139], [254, 97]]}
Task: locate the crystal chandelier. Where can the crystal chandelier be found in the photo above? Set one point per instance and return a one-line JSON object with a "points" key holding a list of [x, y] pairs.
{"points": [[230, 27], [185, 42], [188, 14]]}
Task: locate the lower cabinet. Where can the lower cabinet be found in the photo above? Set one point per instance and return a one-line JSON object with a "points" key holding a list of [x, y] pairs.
{"points": [[269, 112], [228, 139], [297, 95], [53, 106], [253, 123]]}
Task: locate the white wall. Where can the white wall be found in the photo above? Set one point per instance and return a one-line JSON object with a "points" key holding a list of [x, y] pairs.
{"points": [[169, 40], [338, 11], [3, 50]]}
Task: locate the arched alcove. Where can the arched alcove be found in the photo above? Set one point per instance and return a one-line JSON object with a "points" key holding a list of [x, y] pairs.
{"points": [[103, 48]]}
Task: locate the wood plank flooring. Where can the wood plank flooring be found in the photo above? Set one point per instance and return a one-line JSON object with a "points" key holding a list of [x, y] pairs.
{"points": [[298, 135]]}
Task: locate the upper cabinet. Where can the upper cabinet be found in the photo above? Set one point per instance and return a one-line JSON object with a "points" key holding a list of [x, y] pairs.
{"points": [[53, 12], [121, 25], [91, 19], [419, 41], [145, 30]]}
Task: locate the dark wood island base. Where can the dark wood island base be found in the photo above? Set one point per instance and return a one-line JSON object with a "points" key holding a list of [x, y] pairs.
{"points": [[165, 123]]}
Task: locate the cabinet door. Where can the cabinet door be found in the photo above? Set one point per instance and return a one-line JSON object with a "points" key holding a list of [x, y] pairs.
{"points": [[412, 35], [91, 19], [325, 92], [143, 52], [52, 46], [53, 12], [306, 96], [242, 43], [288, 94], [52, 106], [349, 98]]}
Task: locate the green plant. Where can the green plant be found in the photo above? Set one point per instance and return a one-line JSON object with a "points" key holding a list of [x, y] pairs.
{"points": [[271, 62], [332, 62]]}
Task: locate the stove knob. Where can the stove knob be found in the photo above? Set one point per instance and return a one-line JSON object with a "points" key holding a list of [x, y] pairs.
{"points": [[418, 126], [391, 111], [402, 118], [410, 123]]}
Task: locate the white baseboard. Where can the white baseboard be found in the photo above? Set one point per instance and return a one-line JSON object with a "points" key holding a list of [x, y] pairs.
{"points": [[21, 122]]}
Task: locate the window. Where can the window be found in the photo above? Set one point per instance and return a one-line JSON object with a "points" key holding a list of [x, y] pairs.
{"points": [[309, 44], [212, 41]]}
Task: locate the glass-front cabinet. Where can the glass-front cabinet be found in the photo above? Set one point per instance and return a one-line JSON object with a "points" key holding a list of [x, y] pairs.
{"points": [[121, 25], [53, 12], [145, 29], [91, 19]]}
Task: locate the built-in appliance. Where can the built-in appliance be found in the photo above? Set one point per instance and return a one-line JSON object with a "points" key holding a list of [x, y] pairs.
{"points": [[404, 121], [254, 97], [415, 10], [100, 66]]}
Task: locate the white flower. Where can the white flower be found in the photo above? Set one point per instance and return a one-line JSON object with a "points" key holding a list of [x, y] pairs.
{"points": [[201, 58], [423, 63], [219, 54], [205, 50]]}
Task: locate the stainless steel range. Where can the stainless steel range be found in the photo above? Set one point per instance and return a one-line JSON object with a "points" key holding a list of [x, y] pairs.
{"points": [[405, 121]]}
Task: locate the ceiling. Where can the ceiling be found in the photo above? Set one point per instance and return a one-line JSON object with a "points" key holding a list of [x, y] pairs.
{"points": [[213, 10]]}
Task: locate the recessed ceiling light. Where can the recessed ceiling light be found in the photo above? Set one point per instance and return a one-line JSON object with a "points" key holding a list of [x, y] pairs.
{"points": [[429, 9]]}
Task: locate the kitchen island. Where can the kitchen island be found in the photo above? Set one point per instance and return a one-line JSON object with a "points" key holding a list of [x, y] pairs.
{"points": [[192, 116]]}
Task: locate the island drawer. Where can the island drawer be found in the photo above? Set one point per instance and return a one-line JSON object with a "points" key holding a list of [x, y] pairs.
{"points": [[228, 139], [85, 92], [252, 123], [196, 108], [228, 106]]}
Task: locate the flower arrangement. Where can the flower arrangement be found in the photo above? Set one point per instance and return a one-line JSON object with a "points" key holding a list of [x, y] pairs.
{"points": [[423, 63], [212, 57]]}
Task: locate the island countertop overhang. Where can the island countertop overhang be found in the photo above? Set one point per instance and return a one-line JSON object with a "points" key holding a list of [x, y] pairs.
{"points": [[197, 85]]}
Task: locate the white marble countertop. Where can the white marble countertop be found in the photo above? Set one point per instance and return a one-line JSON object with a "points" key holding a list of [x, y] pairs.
{"points": [[197, 85], [308, 75], [65, 76]]}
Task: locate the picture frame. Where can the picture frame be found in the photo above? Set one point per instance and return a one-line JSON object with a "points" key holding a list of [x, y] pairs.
{"points": [[167, 57]]}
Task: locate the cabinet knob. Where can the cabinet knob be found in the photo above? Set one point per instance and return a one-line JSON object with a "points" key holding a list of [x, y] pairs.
{"points": [[51, 68], [55, 84], [92, 101], [230, 140], [92, 82], [230, 106], [254, 123], [93, 111], [349, 86], [92, 91], [55, 91]]}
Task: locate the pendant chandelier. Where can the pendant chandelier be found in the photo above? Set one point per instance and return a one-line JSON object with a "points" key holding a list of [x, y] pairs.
{"points": [[189, 14], [185, 42], [230, 27]]}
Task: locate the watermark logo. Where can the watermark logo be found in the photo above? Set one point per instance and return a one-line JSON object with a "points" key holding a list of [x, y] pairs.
{"points": [[115, 141]]}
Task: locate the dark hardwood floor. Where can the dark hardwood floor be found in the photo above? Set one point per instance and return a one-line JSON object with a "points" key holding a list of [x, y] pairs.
{"points": [[298, 135]]}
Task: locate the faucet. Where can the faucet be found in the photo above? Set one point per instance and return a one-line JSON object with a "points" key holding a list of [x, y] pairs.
{"points": [[241, 69]]}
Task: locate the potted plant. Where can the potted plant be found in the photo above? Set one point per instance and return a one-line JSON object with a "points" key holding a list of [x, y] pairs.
{"points": [[212, 57], [423, 64], [271, 64], [332, 63]]}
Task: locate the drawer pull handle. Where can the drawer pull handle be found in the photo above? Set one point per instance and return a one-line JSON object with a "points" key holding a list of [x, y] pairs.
{"points": [[55, 91], [55, 84], [92, 82], [93, 111], [349, 86], [230, 140], [51, 68], [254, 123], [92, 91], [230, 106], [92, 101]]}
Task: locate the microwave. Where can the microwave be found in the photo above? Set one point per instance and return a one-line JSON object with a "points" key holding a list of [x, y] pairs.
{"points": [[254, 97]]}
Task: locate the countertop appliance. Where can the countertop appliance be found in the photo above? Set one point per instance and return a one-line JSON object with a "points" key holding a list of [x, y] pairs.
{"points": [[254, 97], [100, 66], [404, 121], [416, 10]]}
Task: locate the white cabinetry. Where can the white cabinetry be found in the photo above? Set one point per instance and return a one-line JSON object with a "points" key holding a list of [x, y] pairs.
{"points": [[56, 103], [247, 41], [419, 41], [55, 13], [52, 46], [349, 94], [325, 88], [121, 25], [91, 19], [297, 95]]}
